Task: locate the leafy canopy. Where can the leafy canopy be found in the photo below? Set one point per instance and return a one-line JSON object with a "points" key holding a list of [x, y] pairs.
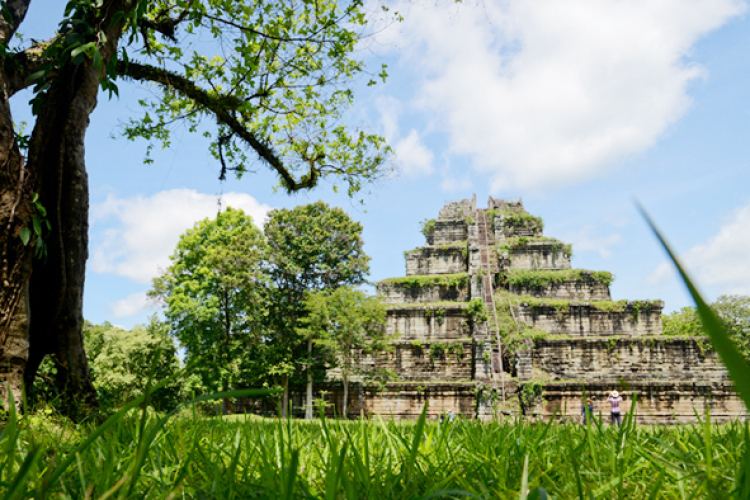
{"points": [[213, 293], [121, 362], [273, 77], [314, 247]]}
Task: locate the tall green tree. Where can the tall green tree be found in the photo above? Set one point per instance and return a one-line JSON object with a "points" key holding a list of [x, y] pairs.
{"points": [[350, 326], [684, 322], [269, 88], [733, 310], [311, 248], [213, 292], [123, 360]]}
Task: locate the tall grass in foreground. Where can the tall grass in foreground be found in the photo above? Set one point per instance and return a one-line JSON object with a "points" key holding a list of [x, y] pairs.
{"points": [[256, 458]]}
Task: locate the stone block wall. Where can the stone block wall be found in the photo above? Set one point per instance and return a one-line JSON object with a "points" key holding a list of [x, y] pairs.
{"points": [[426, 323], [584, 320], [448, 231], [405, 400], [483, 362], [436, 260], [458, 209], [657, 402], [503, 229], [584, 290], [421, 361], [539, 255], [398, 293], [627, 358]]}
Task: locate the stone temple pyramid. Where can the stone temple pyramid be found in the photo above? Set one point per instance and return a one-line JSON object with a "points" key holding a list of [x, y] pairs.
{"points": [[492, 320]]}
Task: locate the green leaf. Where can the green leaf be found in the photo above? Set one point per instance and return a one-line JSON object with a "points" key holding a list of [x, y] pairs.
{"points": [[37, 223], [97, 59], [25, 235], [83, 48]]}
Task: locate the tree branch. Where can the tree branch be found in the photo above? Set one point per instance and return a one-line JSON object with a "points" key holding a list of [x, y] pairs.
{"points": [[16, 12], [20, 66], [221, 106], [165, 24]]}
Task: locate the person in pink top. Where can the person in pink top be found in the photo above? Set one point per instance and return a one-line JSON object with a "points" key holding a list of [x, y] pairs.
{"points": [[614, 400]]}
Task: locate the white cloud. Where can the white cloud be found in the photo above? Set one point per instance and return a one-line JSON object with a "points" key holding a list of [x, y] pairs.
{"points": [[722, 260], [413, 157], [550, 91], [147, 229], [130, 306], [586, 241], [662, 274]]}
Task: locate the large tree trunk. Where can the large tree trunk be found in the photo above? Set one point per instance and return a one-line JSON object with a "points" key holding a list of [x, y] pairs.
{"points": [[16, 211], [56, 154], [345, 411], [309, 406], [285, 396]]}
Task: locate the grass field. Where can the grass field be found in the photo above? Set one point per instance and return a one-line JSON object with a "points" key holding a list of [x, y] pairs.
{"points": [[193, 457]]}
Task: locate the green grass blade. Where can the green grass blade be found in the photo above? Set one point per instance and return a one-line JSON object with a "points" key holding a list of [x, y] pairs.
{"points": [[738, 368], [418, 432], [19, 481], [524, 479]]}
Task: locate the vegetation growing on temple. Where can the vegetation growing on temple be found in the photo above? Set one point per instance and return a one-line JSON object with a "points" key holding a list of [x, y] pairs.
{"points": [[518, 242], [456, 280], [516, 219], [540, 279]]}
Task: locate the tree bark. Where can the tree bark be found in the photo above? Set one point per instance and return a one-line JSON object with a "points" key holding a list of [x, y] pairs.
{"points": [[285, 396], [16, 211], [57, 155], [309, 407], [345, 411]]}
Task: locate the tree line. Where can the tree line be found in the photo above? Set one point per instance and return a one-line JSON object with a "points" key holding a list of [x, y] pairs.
{"points": [[250, 308]]}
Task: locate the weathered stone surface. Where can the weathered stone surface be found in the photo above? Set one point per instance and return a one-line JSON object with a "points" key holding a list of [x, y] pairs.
{"points": [[539, 255], [458, 209], [436, 260], [657, 402], [438, 361], [583, 290], [627, 358], [406, 400], [503, 229], [448, 231], [427, 323], [483, 350], [583, 319], [398, 293]]}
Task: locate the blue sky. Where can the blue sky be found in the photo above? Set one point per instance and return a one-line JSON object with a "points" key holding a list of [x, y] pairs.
{"points": [[579, 107]]}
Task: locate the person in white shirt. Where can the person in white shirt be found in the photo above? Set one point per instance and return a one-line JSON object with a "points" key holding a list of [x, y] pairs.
{"points": [[614, 400]]}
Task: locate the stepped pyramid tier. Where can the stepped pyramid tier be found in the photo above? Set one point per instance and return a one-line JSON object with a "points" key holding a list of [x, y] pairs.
{"points": [[492, 319]]}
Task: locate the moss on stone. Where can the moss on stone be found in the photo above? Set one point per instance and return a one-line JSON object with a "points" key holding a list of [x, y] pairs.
{"points": [[518, 242], [540, 279], [457, 280]]}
